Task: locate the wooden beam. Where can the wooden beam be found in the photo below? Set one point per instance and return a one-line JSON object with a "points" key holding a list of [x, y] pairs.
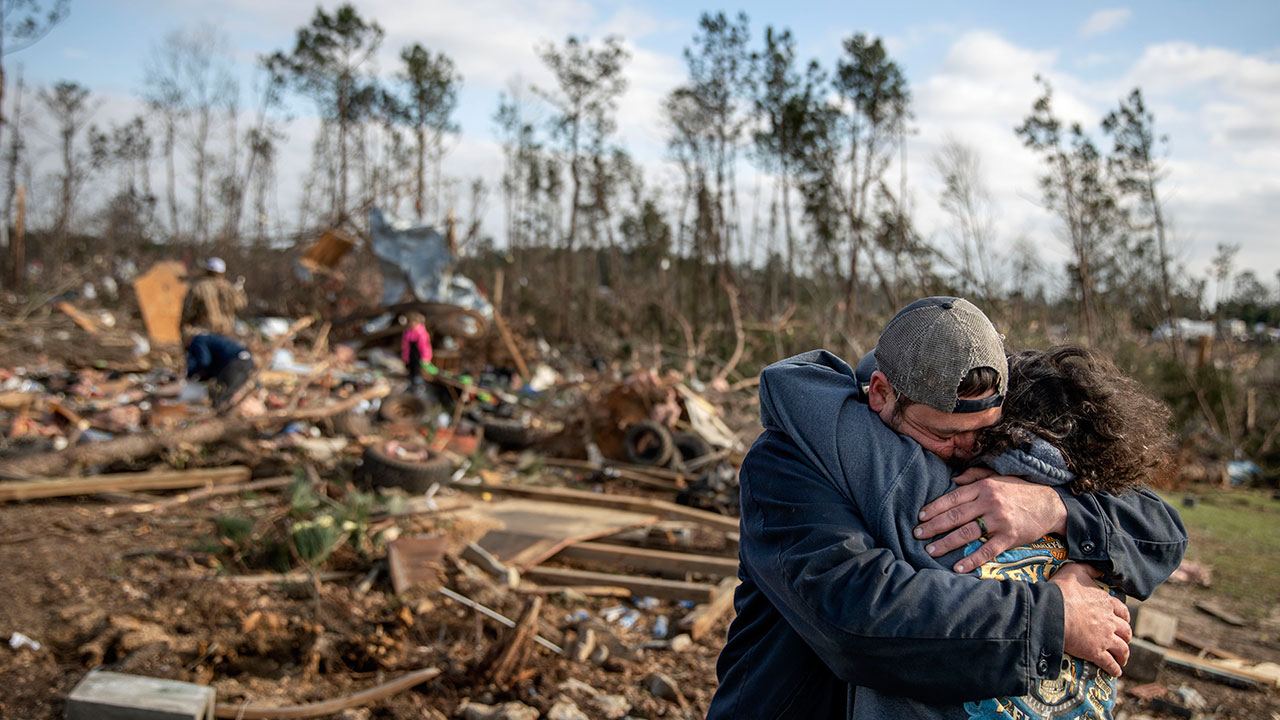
{"points": [[671, 564], [1213, 669], [667, 510], [704, 617], [121, 482], [655, 587]]}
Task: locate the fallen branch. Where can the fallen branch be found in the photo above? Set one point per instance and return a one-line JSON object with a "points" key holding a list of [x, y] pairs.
{"points": [[140, 445], [121, 482], [508, 662], [199, 495], [740, 338], [328, 707]]}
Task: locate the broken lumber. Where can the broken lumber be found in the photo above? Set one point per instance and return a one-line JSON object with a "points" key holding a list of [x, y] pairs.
{"points": [[1212, 669], [121, 482], [508, 662], [1205, 646], [328, 707], [655, 587], [659, 561], [586, 590], [663, 508], [702, 618], [140, 445], [83, 321]]}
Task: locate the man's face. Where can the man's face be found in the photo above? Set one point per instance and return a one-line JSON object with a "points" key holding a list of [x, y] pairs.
{"points": [[950, 436]]}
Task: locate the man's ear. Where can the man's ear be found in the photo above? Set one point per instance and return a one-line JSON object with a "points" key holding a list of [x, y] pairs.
{"points": [[879, 392]]}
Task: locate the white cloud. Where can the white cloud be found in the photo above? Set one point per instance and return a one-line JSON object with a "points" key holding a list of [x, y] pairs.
{"points": [[1220, 109], [1105, 21]]}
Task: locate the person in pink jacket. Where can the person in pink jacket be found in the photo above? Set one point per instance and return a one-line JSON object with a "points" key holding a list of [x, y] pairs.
{"points": [[415, 349]]}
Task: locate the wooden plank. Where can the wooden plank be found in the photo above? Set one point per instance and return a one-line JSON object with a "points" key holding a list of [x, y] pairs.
{"points": [[1205, 646], [121, 482], [510, 344], [530, 531], [660, 561], [415, 560], [1214, 670], [703, 618], [655, 587], [83, 321], [160, 293], [668, 510], [328, 250]]}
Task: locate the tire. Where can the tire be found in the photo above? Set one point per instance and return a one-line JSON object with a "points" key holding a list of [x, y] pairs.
{"points": [[649, 443], [404, 408], [508, 433], [690, 446], [377, 469]]}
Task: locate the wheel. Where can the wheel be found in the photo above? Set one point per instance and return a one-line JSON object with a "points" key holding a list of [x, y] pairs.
{"points": [[648, 443], [508, 433], [378, 469], [690, 446], [404, 408]]}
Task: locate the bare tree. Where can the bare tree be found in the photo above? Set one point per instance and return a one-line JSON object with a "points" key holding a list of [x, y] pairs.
{"points": [[209, 85], [589, 82], [966, 198], [430, 85], [328, 63], [1078, 189], [166, 94], [69, 106], [22, 24]]}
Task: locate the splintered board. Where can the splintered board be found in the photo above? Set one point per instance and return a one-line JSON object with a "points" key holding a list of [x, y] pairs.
{"points": [[530, 531], [160, 293]]}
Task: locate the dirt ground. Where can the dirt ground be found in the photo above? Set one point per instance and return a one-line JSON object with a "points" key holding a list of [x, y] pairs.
{"points": [[135, 594]]}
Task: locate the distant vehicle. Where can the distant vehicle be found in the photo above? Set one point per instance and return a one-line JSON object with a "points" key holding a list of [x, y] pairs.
{"points": [[1184, 328]]}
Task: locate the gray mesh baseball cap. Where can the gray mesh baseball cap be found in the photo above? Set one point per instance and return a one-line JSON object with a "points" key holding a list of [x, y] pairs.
{"points": [[931, 344]]}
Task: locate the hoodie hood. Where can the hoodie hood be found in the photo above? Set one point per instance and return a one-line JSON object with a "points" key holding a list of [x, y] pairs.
{"points": [[1037, 461]]}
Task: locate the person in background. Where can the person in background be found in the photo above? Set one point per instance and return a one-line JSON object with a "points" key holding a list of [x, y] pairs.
{"points": [[223, 363], [415, 350], [213, 301]]}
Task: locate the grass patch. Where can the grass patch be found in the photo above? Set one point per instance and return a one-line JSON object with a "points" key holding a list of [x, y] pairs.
{"points": [[1237, 533]]}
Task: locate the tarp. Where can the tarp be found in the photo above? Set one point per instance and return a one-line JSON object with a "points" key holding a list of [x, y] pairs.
{"points": [[413, 258]]}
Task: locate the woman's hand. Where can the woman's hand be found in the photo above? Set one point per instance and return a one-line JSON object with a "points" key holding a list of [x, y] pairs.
{"points": [[1013, 512]]}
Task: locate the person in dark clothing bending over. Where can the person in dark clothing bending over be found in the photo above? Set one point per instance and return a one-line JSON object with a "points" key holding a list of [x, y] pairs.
{"points": [[224, 363], [823, 608]]}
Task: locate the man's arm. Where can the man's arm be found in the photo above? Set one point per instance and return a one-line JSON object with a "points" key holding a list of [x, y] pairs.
{"points": [[1134, 538], [874, 620]]}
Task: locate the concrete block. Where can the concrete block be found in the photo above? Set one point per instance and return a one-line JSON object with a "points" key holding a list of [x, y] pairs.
{"points": [[116, 696], [1151, 624], [1144, 664]]}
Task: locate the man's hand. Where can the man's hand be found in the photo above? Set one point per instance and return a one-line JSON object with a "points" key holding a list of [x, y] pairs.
{"points": [[1014, 511], [1096, 624]]}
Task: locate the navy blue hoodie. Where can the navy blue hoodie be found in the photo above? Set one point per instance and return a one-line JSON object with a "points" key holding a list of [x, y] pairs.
{"points": [[824, 605]]}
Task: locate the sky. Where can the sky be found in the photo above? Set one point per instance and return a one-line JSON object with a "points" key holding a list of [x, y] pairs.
{"points": [[1210, 73]]}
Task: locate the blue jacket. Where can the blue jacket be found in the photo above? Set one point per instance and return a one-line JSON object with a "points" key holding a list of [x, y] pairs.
{"points": [[208, 355], [824, 606]]}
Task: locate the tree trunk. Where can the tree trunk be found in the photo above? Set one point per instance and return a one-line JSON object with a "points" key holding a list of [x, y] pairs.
{"points": [[421, 199], [171, 173]]}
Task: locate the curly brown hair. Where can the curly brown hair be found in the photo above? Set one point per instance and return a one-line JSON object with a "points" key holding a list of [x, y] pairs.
{"points": [[1113, 434]]}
